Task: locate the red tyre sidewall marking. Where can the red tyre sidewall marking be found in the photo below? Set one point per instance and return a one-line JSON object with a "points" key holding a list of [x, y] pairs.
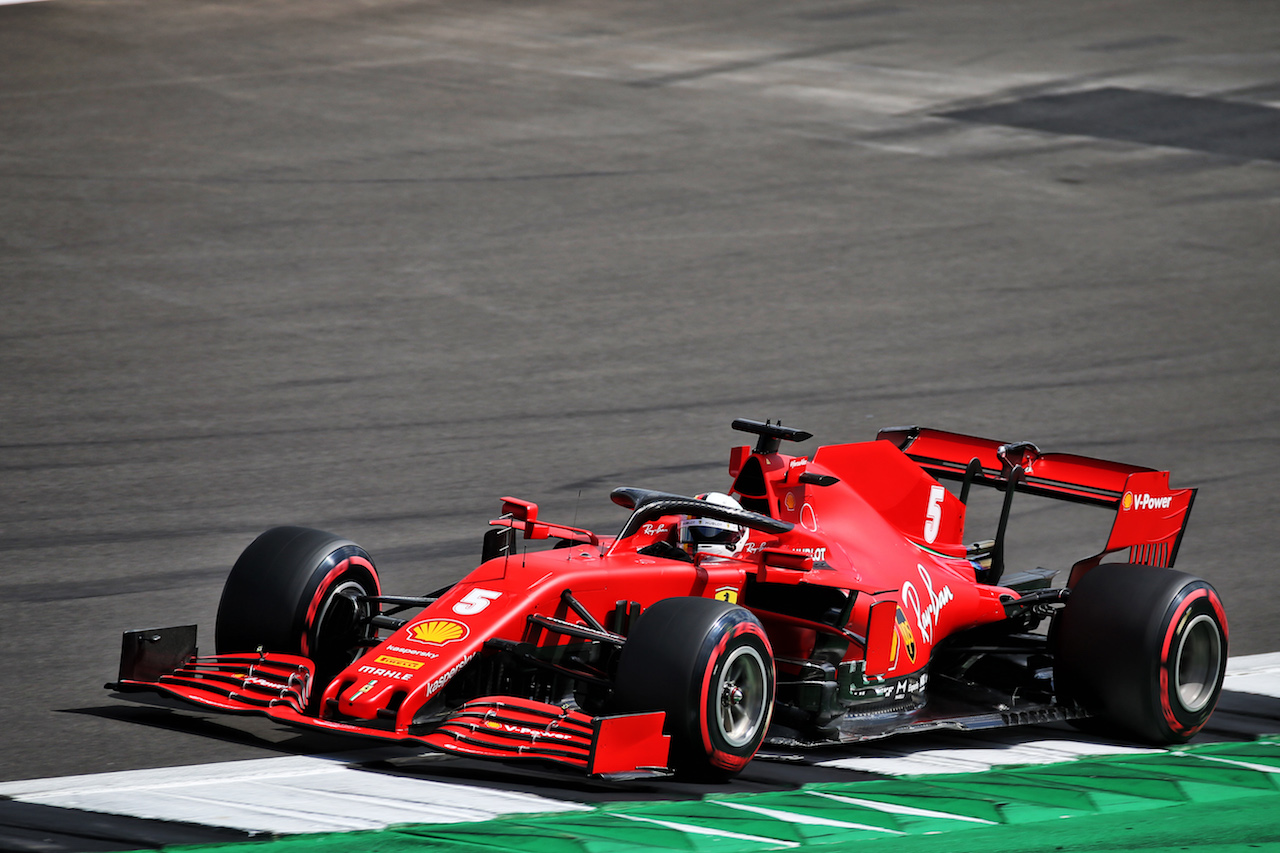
{"points": [[336, 572], [1166, 705], [718, 757]]}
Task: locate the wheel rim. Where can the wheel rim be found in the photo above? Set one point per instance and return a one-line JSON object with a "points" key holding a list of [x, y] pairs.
{"points": [[337, 625], [743, 697], [1198, 663]]}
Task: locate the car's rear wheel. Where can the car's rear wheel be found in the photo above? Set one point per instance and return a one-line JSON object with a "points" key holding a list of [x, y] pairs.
{"points": [[709, 666], [295, 590], [1144, 649]]}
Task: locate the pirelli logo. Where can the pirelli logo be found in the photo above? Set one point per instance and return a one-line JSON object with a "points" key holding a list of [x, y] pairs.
{"points": [[402, 663]]}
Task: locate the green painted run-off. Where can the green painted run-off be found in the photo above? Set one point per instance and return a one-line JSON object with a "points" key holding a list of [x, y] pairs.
{"points": [[1215, 797]]}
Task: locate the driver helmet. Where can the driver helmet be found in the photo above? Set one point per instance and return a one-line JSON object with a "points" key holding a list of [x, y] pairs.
{"points": [[700, 535]]}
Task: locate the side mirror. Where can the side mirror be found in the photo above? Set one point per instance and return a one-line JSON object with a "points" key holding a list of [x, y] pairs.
{"points": [[776, 558], [525, 512]]}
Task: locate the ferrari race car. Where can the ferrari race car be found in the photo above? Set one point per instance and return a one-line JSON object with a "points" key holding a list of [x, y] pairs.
{"points": [[834, 602]]}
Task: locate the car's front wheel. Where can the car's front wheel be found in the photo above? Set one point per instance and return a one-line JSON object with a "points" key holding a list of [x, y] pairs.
{"points": [[297, 591], [709, 666]]}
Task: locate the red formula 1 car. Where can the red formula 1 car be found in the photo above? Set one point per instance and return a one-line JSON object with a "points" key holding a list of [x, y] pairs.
{"points": [[834, 601]]}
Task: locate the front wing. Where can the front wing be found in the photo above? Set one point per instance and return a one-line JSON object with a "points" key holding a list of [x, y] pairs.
{"points": [[498, 727]]}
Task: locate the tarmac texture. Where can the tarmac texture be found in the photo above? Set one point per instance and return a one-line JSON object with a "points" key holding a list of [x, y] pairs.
{"points": [[368, 265]]}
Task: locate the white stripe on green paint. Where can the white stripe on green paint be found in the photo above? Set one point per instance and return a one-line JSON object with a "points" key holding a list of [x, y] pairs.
{"points": [[691, 829], [805, 819], [894, 808]]}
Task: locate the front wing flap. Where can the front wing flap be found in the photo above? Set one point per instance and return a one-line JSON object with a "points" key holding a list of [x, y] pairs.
{"points": [[244, 683], [508, 727]]}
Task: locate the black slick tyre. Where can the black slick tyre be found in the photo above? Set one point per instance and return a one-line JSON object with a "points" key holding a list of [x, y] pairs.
{"points": [[1144, 649], [709, 666], [293, 591]]}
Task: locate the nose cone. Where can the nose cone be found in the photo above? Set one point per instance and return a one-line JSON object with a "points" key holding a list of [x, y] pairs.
{"points": [[368, 695]]}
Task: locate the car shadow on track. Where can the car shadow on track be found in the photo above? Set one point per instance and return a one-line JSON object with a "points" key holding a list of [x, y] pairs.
{"points": [[245, 731]]}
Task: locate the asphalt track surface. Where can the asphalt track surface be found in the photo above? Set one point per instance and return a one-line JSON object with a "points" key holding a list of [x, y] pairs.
{"points": [[368, 265]]}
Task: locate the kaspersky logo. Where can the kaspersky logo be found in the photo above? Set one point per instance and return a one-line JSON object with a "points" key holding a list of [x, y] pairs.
{"points": [[438, 632], [1145, 501]]}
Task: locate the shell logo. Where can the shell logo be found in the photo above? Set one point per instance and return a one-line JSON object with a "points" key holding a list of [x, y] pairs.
{"points": [[790, 501], [1127, 501], [490, 724], [437, 632]]}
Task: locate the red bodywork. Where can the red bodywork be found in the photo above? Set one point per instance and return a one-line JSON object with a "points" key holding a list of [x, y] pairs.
{"points": [[868, 521]]}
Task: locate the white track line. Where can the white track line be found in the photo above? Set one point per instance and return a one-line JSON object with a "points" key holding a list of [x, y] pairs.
{"points": [[1259, 674], [1256, 674], [982, 756], [285, 795]]}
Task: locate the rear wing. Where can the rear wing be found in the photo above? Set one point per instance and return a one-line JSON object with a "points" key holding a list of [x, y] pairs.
{"points": [[1150, 516]]}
